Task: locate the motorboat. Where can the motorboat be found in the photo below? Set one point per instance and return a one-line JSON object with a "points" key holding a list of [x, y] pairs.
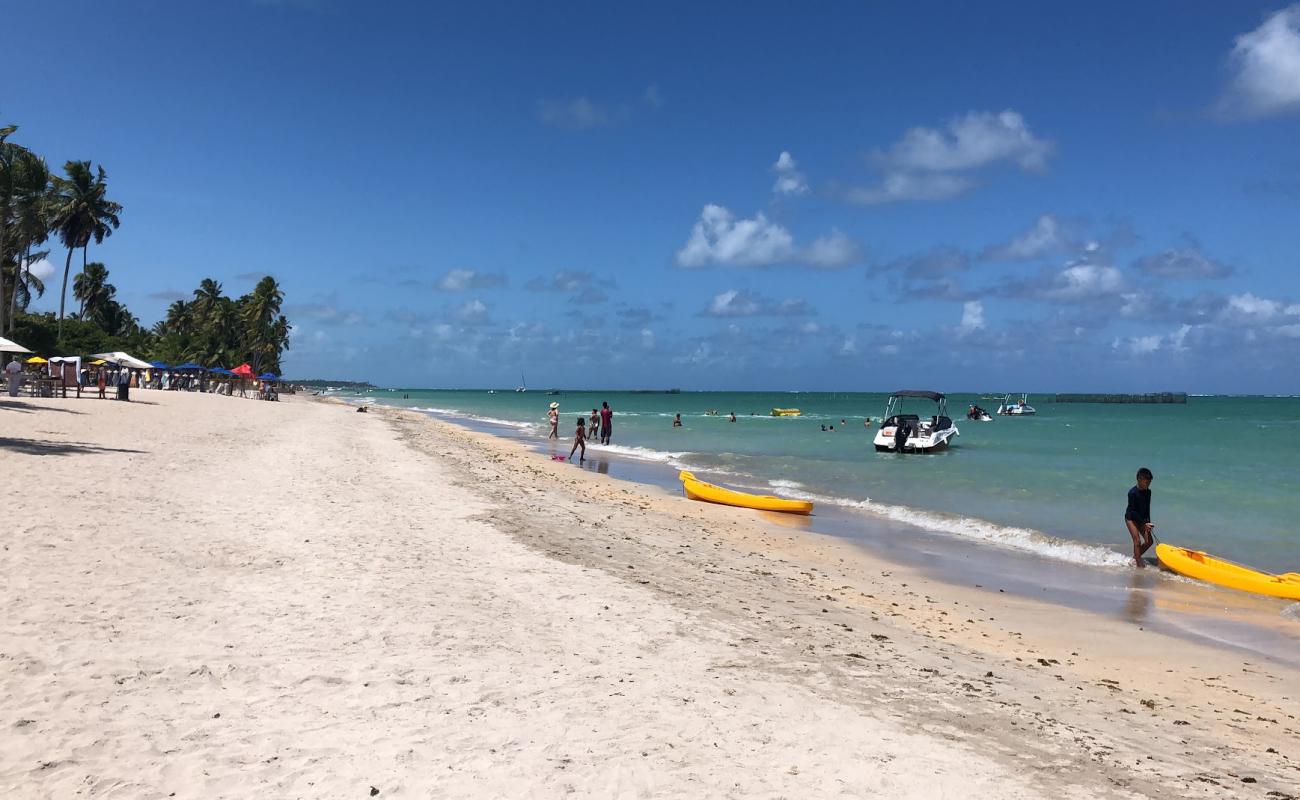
{"points": [[1020, 409], [903, 432]]}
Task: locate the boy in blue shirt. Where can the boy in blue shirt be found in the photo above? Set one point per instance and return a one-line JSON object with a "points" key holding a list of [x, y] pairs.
{"points": [[1137, 517]]}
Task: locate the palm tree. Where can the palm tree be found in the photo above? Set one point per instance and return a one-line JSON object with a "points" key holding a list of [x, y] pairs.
{"points": [[206, 298], [81, 212], [11, 157], [92, 288], [267, 331], [31, 223]]}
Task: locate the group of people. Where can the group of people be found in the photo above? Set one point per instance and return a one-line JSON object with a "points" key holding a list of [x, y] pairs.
{"points": [[677, 419], [601, 419]]}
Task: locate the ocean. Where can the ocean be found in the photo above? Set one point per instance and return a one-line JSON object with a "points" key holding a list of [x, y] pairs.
{"points": [[1051, 487]]}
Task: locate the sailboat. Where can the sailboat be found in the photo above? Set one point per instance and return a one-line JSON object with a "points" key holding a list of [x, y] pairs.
{"points": [[523, 384]]}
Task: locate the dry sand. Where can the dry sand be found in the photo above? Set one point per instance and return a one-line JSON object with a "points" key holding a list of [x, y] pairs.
{"points": [[209, 597]]}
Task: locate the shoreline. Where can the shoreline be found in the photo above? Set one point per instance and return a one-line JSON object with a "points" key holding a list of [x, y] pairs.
{"points": [[1152, 598], [297, 598]]}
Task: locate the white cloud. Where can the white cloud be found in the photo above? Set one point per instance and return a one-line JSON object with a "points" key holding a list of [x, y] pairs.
{"points": [[972, 317], [740, 303], [459, 280], [934, 164], [1266, 68], [1046, 237], [42, 269], [1086, 280], [832, 251], [472, 312], [976, 140], [1248, 306], [1173, 342], [577, 114], [720, 239], [789, 180]]}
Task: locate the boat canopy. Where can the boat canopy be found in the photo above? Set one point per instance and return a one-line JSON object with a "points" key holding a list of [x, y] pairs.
{"points": [[935, 396]]}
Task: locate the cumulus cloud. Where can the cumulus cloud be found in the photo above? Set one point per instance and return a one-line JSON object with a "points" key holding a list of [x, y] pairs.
{"points": [[42, 269], [936, 164], [472, 312], [719, 238], [1077, 282], [972, 317], [740, 303], [1173, 342], [1046, 237], [789, 180], [1182, 262], [1265, 66], [460, 280]]}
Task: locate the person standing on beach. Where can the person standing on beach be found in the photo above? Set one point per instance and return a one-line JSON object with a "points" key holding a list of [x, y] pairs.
{"points": [[554, 416], [14, 372], [579, 441], [606, 423], [1137, 517]]}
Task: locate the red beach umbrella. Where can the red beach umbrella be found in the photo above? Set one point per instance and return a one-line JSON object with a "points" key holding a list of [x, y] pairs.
{"points": [[243, 371]]}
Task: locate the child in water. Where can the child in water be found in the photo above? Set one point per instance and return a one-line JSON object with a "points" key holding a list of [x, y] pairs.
{"points": [[677, 421], [1137, 517], [579, 441]]}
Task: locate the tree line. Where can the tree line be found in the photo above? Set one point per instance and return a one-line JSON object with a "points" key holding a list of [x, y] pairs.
{"points": [[41, 209]]}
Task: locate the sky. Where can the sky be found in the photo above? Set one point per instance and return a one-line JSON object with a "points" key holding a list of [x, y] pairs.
{"points": [[843, 196]]}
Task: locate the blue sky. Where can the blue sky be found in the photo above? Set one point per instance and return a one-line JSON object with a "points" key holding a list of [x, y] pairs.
{"points": [[731, 196]]}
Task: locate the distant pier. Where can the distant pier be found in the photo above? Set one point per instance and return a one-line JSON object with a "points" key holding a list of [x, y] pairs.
{"points": [[1178, 398]]}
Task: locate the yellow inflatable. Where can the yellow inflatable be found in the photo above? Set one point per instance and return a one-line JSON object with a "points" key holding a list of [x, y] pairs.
{"points": [[1195, 564], [786, 412], [699, 490]]}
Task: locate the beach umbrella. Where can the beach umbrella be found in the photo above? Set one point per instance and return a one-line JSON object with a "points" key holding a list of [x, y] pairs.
{"points": [[243, 370], [268, 376], [36, 360], [187, 365], [123, 359], [159, 364], [99, 362], [10, 346]]}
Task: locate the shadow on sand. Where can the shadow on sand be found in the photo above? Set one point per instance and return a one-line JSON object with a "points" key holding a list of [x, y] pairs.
{"points": [[35, 447], [10, 405]]}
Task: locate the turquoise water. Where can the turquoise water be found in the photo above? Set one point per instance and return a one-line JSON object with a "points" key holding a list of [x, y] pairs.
{"points": [[1226, 468]]}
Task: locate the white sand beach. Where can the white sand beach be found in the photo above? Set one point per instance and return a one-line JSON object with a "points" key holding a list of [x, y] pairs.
{"points": [[208, 597]]}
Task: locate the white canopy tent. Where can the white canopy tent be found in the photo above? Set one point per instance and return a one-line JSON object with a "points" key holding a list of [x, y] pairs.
{"points": [[124, 359], [10, 346]]}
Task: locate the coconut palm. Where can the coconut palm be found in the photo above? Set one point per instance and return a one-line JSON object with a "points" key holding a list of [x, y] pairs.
{"points": [[92, 288], [206, 298], [11, 157], [81, 211], [30, 225], [267, 331]]}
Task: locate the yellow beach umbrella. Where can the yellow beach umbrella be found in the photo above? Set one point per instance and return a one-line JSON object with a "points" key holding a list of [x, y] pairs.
{"points": [[99, 362], [36, 360]]}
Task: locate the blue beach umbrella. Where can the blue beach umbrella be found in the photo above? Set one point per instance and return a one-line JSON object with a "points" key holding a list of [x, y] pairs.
{"points": [[268, 376], [158, 364], [187, 365]]}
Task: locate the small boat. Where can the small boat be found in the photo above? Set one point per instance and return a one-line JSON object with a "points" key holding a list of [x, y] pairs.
{"points": [[1205, 567], [1021, 409], [908, 433], [699, 490], [786, 412]]}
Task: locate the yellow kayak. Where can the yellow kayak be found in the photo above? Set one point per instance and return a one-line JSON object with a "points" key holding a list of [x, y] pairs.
{"points": [[786, 412], [699, 490], [1195, 564]]}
